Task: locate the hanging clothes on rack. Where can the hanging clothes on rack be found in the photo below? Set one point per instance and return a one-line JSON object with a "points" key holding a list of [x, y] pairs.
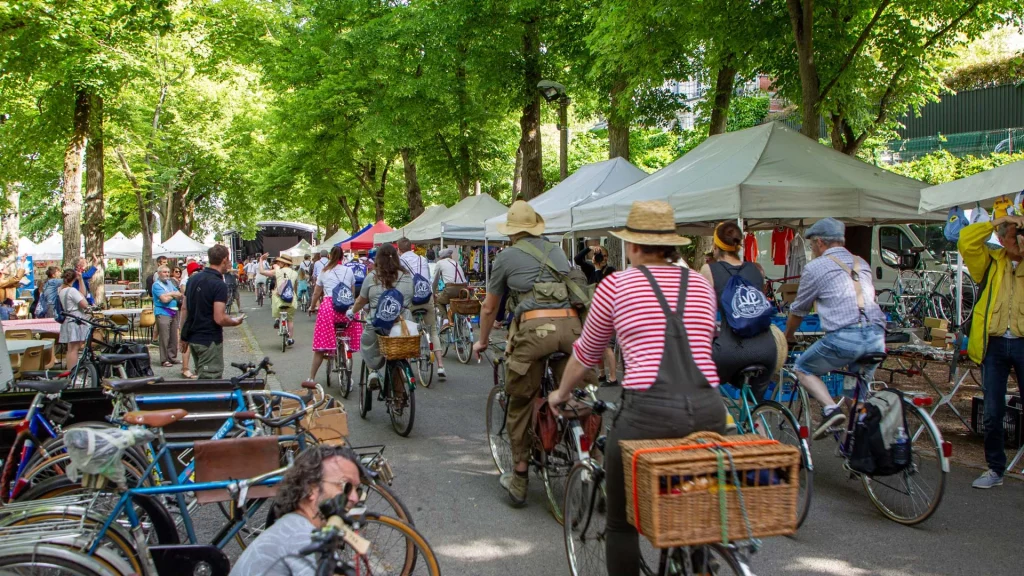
{"points": [[750, 248], [797, 257], [781, 237]]}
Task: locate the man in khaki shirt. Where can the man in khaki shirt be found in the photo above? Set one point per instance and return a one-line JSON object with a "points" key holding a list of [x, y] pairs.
{"points": [[997, 325]]}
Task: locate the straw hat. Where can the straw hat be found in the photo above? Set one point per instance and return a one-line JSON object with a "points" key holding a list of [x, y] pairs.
{"points": [[284, 259], [651, 223], [522, 218]]}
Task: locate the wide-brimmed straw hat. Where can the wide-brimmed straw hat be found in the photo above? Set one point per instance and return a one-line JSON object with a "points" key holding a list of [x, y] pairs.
{"points": [[651, 223], [285, 259], [522, 218]]}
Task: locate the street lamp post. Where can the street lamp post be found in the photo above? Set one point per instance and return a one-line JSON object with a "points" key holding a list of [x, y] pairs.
{"points": [[553, 91]]}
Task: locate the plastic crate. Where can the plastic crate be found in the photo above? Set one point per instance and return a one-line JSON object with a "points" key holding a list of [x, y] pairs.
{"points": [[730, 391], [810, 323], [1013, 421]]}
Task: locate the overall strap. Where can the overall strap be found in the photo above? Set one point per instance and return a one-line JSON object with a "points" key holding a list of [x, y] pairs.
{"points": [[657, 291], [855, 276]]}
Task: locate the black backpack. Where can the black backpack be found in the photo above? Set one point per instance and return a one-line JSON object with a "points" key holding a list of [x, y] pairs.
{"points": [[877, 422], [136, 368]]}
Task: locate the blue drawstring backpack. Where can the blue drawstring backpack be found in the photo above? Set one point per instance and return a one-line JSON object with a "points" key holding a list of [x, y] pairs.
{"points": [[956, 221], [342, 298], [389, 309], [286, 292], [745, 308], [359, 271]]}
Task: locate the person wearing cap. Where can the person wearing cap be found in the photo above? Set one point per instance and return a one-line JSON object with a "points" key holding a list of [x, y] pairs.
{"points": [[840, 285], [532, 272], [449, 279], [664, 318], [282, 272]]}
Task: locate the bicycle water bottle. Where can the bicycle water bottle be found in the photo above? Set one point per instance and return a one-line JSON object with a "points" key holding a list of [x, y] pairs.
{"points": [[901, 448]]}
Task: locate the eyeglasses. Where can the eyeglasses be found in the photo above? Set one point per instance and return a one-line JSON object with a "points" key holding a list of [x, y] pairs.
{"points": [[344, 486]]}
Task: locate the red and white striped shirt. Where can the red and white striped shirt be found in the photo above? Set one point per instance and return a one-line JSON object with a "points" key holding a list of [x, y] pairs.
{"points": [[625, 304]]}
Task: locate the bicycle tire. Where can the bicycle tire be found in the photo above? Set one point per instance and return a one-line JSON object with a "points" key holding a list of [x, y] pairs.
{"points": [[723, 554], [463, 339], [424, 365], [365, 398], [886, 300], [585, 521], [329, 360], [406, 403], [799, 404], [87, 376], [58, 560], [445, 336], [419, 557], [497, 431], [345, 378], [554, 471], [117, 541], [932, 446], [781, 425]]}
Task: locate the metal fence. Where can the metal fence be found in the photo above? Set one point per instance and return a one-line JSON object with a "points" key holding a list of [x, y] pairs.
{"points": [[983, 143]]}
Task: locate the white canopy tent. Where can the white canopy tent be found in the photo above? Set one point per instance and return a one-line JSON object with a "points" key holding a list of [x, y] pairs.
{"points": [[26, 246], [769, 174], [429, 216], [51, 248], [463, 221], [329, 243], [180, 246], [119, 246], [299, 250], [589, 183], [983, 187]]}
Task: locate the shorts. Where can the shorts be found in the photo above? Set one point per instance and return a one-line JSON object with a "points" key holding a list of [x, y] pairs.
{"points": [[841, 348]]}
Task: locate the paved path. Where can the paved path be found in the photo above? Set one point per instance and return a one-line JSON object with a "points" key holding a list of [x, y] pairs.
{"points": [[446, 477]]}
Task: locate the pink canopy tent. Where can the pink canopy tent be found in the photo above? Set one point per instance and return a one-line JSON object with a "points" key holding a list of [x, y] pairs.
{"points": [[364, 241]]}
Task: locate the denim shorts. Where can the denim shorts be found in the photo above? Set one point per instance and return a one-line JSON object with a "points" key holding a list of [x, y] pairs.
{"points": [[841, 348]]}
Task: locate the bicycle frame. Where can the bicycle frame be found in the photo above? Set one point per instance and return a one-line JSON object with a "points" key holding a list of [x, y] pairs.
{"points": [[26, 423]]}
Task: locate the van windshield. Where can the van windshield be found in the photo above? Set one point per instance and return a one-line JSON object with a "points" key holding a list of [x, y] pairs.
{"points": [[934, 241]]}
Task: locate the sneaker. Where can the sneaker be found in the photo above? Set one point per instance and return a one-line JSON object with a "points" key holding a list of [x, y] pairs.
{"points": [[988, 480], [373, 382], [291, 342], [440, 373], [830, 419], [516, 486]]}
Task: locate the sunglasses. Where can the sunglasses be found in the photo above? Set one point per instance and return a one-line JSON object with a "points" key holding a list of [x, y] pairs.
{"points": [[344, 486]]}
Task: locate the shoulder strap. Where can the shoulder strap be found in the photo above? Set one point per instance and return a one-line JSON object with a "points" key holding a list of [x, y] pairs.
{"points": [[855, 276], [657, 291], [543, 259], [458, 272]]}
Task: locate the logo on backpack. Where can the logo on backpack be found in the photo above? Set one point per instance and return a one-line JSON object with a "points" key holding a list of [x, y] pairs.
{"points": [[286, 292], [389, 308], [745, 308], [342, 298]]}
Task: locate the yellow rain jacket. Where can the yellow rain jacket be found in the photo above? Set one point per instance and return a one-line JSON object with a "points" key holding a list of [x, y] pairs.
{"points": [[1000, 306]]}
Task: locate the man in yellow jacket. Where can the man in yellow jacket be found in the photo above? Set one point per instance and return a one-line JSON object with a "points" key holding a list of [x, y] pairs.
{"points": [[997, 326]]}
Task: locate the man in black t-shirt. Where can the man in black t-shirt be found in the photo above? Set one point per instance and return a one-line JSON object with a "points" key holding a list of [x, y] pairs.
{"points": [[203, 315]]}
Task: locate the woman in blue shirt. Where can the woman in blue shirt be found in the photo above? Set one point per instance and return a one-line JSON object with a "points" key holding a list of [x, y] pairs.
{"points": [[47, 307], [165, 306]]}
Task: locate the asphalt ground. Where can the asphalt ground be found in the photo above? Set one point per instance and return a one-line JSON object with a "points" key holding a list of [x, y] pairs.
{"points": [[447, 479]]}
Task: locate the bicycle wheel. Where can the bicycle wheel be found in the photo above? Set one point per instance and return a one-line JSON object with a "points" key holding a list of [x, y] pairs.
{"points": [[445, 335], [497, 432], [345, 374], [887, 301], [585, 520], [51, 560], [424, 366], [395, 548], [364, 392], [329, 360], [912, 496], [87, 376], [555, 468], [798, 403], [463, 339], [772, 420], [381, 500], [401, 398], [708, 559]]}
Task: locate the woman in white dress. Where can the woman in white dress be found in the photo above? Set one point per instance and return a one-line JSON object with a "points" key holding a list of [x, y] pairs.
{"points": [[72, 333]]}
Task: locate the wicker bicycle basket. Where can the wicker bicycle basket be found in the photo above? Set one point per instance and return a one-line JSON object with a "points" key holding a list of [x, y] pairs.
{"points": [[400, 347], [465, 304], [676, 488]]}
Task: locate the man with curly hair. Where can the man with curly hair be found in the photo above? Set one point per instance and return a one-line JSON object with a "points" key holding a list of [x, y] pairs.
{"points": [[318, 475]]}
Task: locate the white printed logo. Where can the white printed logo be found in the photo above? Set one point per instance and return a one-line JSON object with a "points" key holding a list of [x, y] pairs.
{"points": [[388, 309], [748, 302]]}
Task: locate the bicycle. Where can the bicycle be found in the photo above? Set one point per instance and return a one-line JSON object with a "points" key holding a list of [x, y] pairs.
{"points": [[355, 544], [497, 407], [773, 291], [425, 361], [774, 421], [91, 366], [304, 301], [341, 362], [282, 327], [458, 333], [397, 391], [585, 524]]}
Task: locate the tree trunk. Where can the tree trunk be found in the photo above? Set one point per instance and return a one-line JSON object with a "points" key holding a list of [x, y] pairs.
{"points": [[618, 123], [413, 194], [71, 188], [529, 122], [92, 227], [141, 204], [723, 97], [10, 226], [801, 16], [517, 176], [701, 246], [378, 197], [352, 212]]}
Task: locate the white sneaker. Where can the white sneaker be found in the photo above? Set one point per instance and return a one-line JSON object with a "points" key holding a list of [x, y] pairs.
{"points": [[441, 374], [989, 479], [373, 382]]}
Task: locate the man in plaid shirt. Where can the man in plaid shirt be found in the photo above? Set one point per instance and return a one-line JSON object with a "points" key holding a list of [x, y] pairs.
{"points": [[841, 286]]}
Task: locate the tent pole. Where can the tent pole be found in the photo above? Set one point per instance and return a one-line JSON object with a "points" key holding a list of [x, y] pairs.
{"points": [[623, 255], [487, 272]]}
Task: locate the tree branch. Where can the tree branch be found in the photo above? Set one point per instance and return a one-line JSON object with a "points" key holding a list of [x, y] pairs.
{"points": [[126, 168], [855, 49]]}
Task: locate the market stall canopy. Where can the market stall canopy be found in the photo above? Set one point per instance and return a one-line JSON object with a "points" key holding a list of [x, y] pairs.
{"points": [[980, 188], [770, 175], [120, 246], [26, 246], [364, 240], [336, 238], [430, 215], [52, 248], [180, 246], [463, 221], [589, 183], [299, 250]]}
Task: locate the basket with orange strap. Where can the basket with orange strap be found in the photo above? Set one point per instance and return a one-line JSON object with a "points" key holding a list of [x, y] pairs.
{"points": [[400, 347], [465, 304], [709, 488]]}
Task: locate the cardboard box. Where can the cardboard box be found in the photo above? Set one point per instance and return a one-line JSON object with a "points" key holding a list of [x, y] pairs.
{"points": [[941, 343], [788, 291], [329, 425], [936, 323], [938, 333]]}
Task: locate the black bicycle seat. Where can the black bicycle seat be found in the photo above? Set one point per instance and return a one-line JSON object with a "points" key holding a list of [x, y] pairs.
{"points": [[872, 358], [119, 358], [754, 371], [44, 386], [132, 384], [556, 356]]}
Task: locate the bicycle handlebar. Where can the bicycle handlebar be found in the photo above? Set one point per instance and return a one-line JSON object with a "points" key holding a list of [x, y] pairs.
{"points": [[282, 421]]}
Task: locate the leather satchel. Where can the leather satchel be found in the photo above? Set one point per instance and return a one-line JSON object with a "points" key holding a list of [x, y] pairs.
{"points": [[235, 459]]}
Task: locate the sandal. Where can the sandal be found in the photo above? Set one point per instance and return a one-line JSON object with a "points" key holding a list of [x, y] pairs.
{"points": [[167, 364], [188, 374]]}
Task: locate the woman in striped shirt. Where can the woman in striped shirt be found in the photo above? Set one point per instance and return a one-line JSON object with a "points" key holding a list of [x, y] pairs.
{"points": [[664, 317]]}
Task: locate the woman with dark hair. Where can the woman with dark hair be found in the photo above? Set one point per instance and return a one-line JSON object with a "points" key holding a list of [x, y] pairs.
{"points": [[664, 317], [732, 353], [388, 275], [333, 274], [599, 270], [74, 303], [47, 306]]}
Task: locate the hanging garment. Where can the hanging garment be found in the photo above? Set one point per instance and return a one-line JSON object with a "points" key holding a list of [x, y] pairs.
{"points": [[781, 237], [797, 257], [750, 248]]}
